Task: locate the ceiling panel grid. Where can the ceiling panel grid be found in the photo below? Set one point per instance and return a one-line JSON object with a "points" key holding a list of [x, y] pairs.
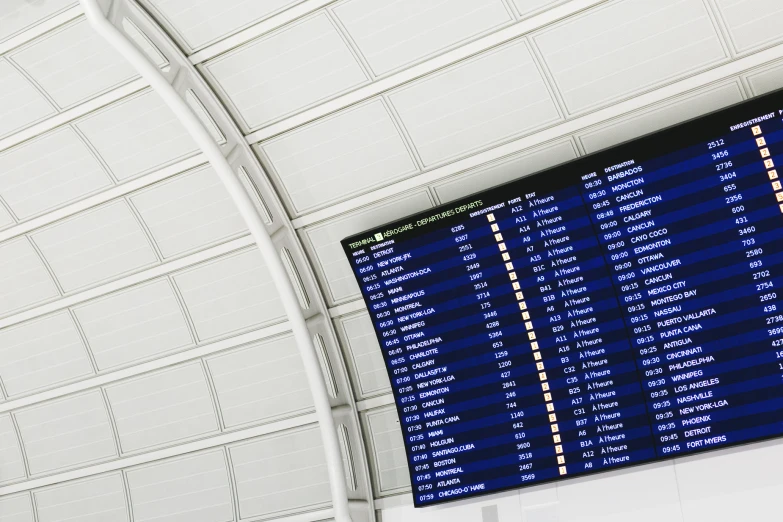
{"points": [[622, 48], [95, 246], [396, 34], [134, 325], [765, 79], [193, 488], [12, 462], [41, 354], [329, 161], [260, 383], [25, 280], [230, 295], [67, 433], [72, 64], [49, 172], [136, 136], [476, 104], [96, 499], [140, 323], [280, 474], [261, 84], [189, 212], [21, 15], [750, 23], [196, 25], [163, 408], [17, 508], [21, 104]]}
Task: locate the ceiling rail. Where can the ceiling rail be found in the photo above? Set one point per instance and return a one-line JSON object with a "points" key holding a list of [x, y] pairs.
{"points": [[255, 224]]}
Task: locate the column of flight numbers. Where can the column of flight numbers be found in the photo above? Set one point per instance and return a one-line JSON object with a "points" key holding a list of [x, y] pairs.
{"points": [[531, 336]]}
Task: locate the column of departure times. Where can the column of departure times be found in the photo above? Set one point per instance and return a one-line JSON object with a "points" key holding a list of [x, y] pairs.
{"points": [[696, 270]]}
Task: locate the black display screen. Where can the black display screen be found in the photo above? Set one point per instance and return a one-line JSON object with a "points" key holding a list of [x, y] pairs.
{"points": [[622, 308]]}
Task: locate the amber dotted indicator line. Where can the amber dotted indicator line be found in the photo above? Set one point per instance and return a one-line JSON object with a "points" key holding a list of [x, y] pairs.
{"points": [[769, 165], [531, 335]]}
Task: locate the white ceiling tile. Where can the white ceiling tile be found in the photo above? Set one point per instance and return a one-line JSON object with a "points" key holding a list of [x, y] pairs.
{"points": [[128, 327], [393, 34], [137, 136], [97, 499], [505, 170], [95, 246], [766, 80], [528, 7], [261, 383], [201, 23], [20, 103], [24, 280], [18, 15], [662, 115], [189, 212], [281, 474], [6, 220], [162, 408], [339, 157], [49, 172], [230, 294], [73, 64], [193, 488], [752, 23], [42, 353], [390, 464], [364, 354], [622, 48], [65, 433], [11, 460], [16, 508], [287, 71], [323, 241], [475, 104]]}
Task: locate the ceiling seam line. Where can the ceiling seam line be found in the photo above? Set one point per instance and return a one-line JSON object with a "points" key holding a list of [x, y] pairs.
{"points": [[143, 225], [232, 483], [47, 266], [127, 281], [61, 118], [22, 449], [257, 30], [38, 87], [213, 395], [85, 342], [184, 356], [111, 193], [419, 70], [94, 152], [112, 421], [46, 26], [126, 462], [184, 309]]}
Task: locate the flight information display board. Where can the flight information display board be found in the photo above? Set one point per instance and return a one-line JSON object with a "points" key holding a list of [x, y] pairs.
{"points": [[622, 308]]}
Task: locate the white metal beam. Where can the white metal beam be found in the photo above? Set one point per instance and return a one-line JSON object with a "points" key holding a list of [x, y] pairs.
{"points": [[258, 230]]}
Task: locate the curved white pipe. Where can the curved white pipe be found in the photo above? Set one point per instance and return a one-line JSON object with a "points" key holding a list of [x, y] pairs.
{"points": [[206, 143]]}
